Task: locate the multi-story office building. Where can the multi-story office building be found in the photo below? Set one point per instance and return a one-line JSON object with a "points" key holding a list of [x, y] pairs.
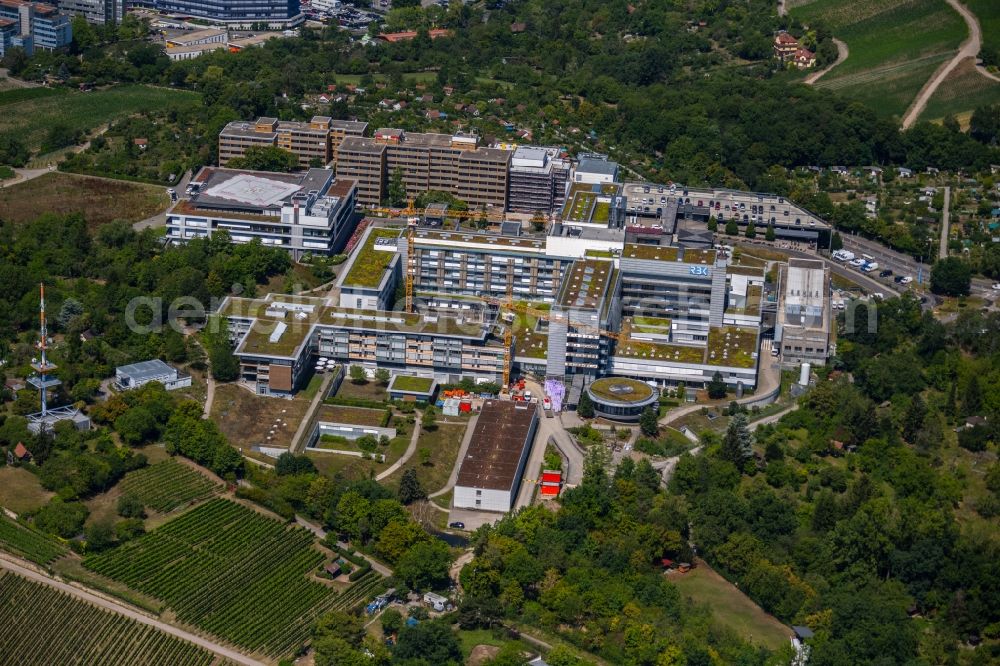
{"points": [[314, 142], [448, 163], [684, 285], [34, 25], [365, 162], [589, 302], [538, 180], [276, 339], [274, 14], [803, 328], [469, 264], [98, 12], [308, 212]]}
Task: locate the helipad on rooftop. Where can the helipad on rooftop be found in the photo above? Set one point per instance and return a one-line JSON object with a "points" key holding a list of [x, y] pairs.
{"points": [[252, 190]]}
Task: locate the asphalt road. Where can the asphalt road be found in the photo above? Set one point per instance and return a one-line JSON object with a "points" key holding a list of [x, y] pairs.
{"points": [[870, 283], [160, 219], [945, 222]]}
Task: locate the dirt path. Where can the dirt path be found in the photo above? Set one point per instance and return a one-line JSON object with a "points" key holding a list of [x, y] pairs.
{"points": [[15, 82], [410, 450], [842, 53], [100, 602], [969, 49], [298, 443]]}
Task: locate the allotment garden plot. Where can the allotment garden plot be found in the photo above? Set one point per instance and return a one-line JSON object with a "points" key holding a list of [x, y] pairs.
{"points": [[42, 626], [231, 571]]}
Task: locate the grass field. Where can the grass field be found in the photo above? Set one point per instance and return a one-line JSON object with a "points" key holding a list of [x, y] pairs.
{"points": [[443, 443], [31, 118], [731, 608], [247, 419], [963, 91], [44, 626], [20, 490], [99, 200], [229, 570], [167, 485], [895, 45]]}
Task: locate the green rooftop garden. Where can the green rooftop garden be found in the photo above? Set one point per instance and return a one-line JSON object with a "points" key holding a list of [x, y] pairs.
{"points": [[528, 341], [660, 352], [370, 264], [668, 253], [411, 384], [351, 415], [578, 208], [599, 254], [602, 211], [258, 339], [732, 345], [628, 390], [650, 325]]}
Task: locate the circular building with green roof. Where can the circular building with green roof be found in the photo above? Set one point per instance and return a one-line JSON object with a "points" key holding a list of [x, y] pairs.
{"points": [[621, 398]]}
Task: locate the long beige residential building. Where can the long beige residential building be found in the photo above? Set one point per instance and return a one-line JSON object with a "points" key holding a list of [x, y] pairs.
{"points": [[450, 163], [314, 142]]}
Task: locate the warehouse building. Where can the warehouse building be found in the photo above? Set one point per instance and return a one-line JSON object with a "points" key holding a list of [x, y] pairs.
{"points": [[129, 377], [491, 471], [309, 212]]}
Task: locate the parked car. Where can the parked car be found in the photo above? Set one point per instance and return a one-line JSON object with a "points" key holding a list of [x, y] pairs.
{"points": [[996, 286], [898, 279], [458, 525], [906, 280], [857, 262], [886, 273]]}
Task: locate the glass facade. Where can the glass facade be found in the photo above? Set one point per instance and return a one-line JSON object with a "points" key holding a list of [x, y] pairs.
{"points": [[237, 11]]}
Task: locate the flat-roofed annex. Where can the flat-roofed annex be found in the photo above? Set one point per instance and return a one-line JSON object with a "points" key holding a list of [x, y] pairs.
{"points": [[497, 443]]}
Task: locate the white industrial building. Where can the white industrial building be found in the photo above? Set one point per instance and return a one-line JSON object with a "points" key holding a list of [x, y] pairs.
{"points": [[803, 326], [491, 471], [128, 377]]}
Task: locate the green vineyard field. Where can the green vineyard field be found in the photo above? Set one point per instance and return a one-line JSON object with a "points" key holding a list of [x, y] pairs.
{"points": [[168, 485], [28, 544], [233, 572], [43, 626]]}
